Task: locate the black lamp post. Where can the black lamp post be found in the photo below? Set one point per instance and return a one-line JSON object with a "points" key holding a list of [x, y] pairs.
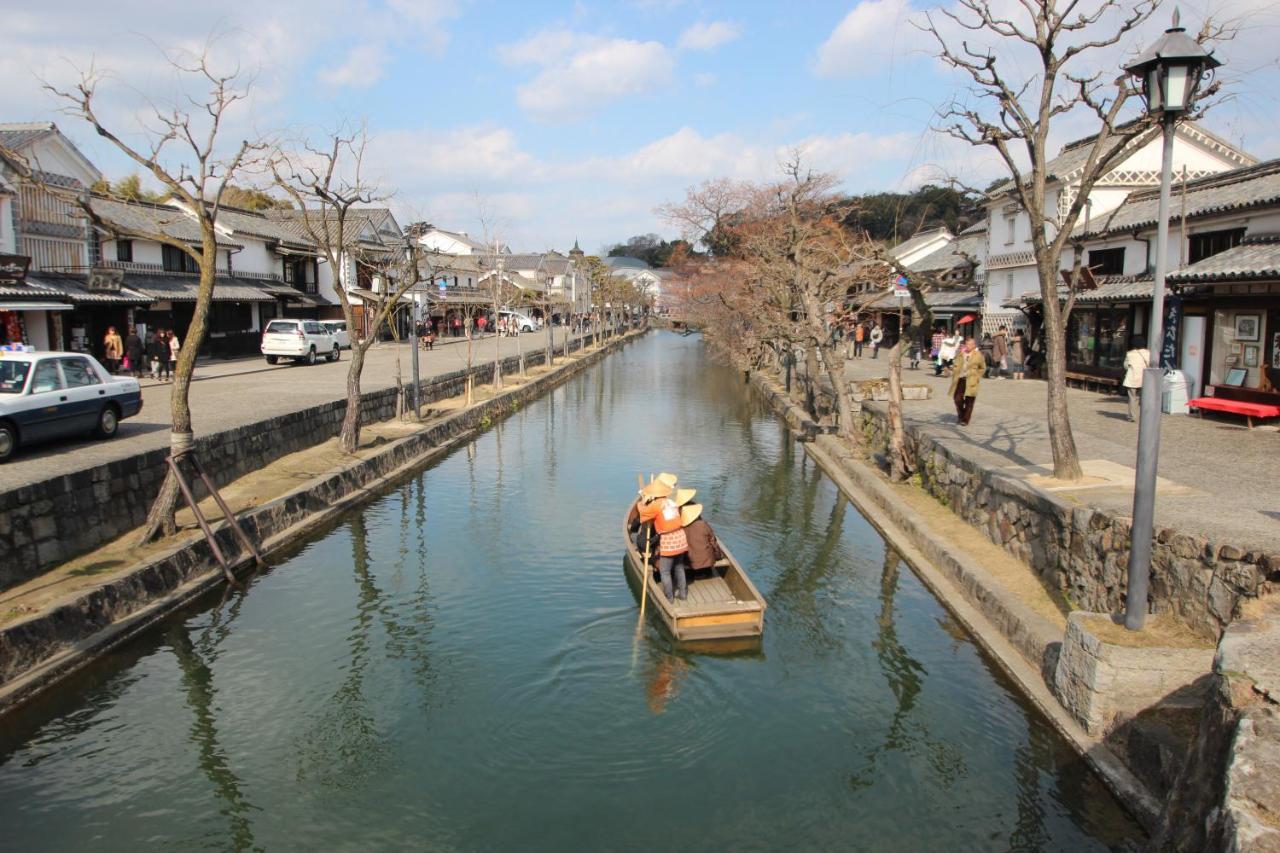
{"points": [[1170, 73]]}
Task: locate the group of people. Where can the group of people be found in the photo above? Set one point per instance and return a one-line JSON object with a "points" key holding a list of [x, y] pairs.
{"points": [[857, 334], [131, 354], [665, 522], [1003, 355]]}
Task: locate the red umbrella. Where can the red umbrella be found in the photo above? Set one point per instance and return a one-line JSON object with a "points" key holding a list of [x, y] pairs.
{"points": [[967, 318]]}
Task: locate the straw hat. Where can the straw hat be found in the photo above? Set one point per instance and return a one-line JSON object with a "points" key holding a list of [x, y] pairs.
{"points": [[683, 496], [669, 479], [656, 489], [689, 514]]}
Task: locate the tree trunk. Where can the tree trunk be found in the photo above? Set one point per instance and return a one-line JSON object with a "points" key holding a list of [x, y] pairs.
{"points": [[471, 380], [1066, 459], [497, 349], [349, 436], [551, 340], [899, 464], [160, 518]]}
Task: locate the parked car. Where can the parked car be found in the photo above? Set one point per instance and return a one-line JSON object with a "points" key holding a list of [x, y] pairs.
{"points": [[524, 322], [338, 328], [46, 395], [300, 340]]}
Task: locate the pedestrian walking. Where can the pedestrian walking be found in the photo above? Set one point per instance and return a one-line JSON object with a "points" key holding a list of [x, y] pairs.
{"points": [[134, 353], [947, 352], [1000, 352], [966, 373], [175, 346], [112, 349], [859, 334], [1136, 360], [1018, 354], [877, 335], [158, 353], [987, 348]]}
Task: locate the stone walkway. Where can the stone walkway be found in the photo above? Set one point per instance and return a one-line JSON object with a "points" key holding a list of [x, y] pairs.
{"points": [[227, 394], [1230, 475]]}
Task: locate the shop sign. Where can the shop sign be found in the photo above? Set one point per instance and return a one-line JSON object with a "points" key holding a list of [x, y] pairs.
{"points": [[105, 280], [14, 268]]}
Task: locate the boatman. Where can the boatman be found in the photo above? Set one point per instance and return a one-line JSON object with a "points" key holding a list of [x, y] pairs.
{"points": [[673, 546], [648, 503]]}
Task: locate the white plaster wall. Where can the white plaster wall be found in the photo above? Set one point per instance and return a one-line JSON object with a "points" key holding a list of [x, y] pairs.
{"points": [[255, 257], [52, 155], [8, 238], [438, 242]]}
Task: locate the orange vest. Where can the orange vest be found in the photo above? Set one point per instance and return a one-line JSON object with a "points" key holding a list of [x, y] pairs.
{"points": [[667, 520]]}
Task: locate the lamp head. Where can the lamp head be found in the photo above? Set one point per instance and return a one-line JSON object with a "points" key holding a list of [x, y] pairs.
{"points": [[1170, 71]]}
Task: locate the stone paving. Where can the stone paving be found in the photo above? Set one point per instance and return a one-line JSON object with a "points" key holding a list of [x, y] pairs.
{"points": [[1231, 474], [232, 393]]}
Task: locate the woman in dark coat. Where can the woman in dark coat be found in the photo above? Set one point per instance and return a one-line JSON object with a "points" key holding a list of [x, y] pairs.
{"points": [[135, 352]]}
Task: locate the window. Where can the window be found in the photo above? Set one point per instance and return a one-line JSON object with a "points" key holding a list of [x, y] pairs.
{"points": [[1011, 229], [313, 328], [1008, 286], [47, 378], [1106, 261], [174, 259], [78, 373], [282, 327], [13, 375], [124, 251], [1210, 243]]}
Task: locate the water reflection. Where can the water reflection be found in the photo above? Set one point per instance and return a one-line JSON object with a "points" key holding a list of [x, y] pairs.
{"points": [[905, 677], [198, 690], [343, 744]]}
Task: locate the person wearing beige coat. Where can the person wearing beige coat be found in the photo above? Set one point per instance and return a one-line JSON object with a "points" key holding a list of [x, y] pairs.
{"points": [[966, 373]]}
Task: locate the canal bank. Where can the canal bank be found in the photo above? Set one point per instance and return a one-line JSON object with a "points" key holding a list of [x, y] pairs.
{"points": [[1021, 630], [59, 622], [456, 665]]}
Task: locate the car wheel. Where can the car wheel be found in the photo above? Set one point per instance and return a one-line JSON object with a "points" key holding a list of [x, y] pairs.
{"points": [[311, 356], [108, 422], [272, 359], [336, 354], [8, 441]]}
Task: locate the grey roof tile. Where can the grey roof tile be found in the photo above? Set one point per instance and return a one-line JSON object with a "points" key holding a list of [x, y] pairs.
{"points": [[1255, 259]]}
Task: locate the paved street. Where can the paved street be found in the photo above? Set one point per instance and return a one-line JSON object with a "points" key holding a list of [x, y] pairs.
{"points": [[1231, 471], [227, 394]]}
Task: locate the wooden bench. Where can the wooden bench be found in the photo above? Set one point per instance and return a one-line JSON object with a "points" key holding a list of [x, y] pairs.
{"points": [[1235, 407], [1099, 383]]}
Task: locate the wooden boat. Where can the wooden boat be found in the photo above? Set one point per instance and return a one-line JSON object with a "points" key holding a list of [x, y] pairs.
{"points": [[722, 602]]}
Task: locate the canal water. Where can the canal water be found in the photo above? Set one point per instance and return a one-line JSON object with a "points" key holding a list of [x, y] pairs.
{"points": [[457, 667]]}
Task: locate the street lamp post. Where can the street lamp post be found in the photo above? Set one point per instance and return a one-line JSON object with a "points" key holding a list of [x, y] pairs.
{"points": [[1169, 73], [413, 271]]}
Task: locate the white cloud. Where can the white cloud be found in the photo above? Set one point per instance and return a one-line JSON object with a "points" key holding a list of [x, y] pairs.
{"points": [[582, 73], [870, 39], [361, 68], [709, 35]]}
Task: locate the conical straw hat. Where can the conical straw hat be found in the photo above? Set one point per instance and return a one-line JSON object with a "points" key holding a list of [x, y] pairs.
{"points": [[689, 514], [669, 479], [656, 489], [683, 496]]}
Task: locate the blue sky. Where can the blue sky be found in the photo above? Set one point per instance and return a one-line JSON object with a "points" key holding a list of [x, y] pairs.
{"points": [[564, 120]]}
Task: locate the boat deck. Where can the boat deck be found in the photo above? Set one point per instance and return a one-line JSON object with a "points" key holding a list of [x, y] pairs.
{"points": [[707, 594]]}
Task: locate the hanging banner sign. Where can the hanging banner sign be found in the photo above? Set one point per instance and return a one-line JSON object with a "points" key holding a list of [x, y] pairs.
{"points": [[1172, 325]]}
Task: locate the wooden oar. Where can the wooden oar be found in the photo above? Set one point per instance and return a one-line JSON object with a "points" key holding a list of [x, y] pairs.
{"points": [[644, 568]]}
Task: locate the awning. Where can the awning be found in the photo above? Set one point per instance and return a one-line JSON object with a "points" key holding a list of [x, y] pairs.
{"points": [[34, 306], [967, 318]]}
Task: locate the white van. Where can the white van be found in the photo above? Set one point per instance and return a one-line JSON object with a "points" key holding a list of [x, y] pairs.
{"points": [[300, 340], [523, 321]]}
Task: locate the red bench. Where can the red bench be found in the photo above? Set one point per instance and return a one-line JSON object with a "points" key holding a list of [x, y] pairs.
{"points": [[1236, 407]]}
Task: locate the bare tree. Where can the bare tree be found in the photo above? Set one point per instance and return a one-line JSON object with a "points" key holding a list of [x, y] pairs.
{"points": [[1012, 114], [185, 149], [328, 185]]}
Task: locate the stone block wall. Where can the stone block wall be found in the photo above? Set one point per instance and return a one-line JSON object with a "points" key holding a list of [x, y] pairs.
{"points": [[49, 522], [1080, 552]]}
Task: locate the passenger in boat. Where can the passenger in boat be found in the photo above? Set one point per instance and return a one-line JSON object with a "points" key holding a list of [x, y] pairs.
{"points": [[673, 546], [704, 547], [648, 504]]}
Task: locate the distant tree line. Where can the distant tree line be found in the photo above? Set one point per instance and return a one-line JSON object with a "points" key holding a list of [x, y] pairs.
{"points": [[130, 188]]}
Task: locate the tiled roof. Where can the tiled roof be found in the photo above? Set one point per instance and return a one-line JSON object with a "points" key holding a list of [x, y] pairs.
{"points": [[140, 218], [948, 299], [183, 288], [1239, 189], [301, 223], [960, 251], [1256, 258], [75, 288], [1111, 288], [906, 247], [17, 135], [1071, 159], [256, 224]]}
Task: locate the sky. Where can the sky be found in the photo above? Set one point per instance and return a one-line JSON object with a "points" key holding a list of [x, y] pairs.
{"points": [[542, 123]]}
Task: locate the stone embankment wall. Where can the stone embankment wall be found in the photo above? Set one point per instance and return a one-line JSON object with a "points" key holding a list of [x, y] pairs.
{"points": [[39, 650], [49, 522], [1083, 552]]}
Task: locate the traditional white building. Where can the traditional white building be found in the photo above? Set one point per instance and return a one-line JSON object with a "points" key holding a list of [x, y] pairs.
{"points": [[1008, 267]]}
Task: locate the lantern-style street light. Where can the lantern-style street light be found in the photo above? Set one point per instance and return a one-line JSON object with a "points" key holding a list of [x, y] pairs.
{"points": [[1169, 72]]}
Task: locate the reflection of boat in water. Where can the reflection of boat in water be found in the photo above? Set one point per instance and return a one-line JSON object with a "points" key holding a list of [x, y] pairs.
{"points": [[722, 602]]}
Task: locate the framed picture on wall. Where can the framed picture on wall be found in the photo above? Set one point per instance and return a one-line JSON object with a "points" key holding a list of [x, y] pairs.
{"points": [[1248, 327], [1251, 356], [1234, 349]]}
